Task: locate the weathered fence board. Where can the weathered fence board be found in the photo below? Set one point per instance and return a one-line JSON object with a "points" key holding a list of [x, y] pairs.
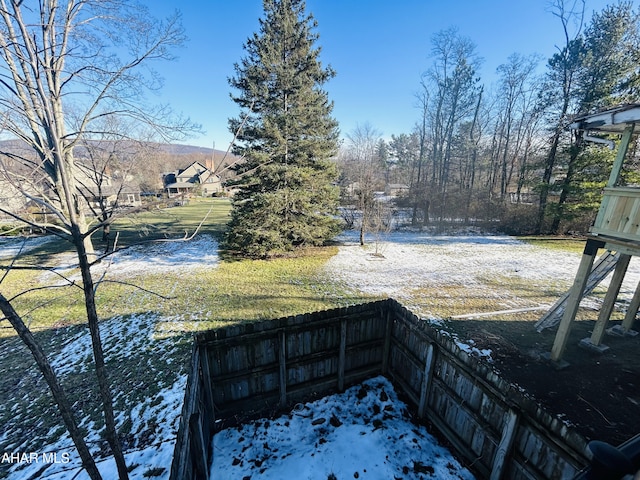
{"points": [[192, 453], [252, 368]]}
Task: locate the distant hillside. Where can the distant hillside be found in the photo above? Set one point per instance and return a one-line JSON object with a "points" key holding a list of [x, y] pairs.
{"points": [[147, 162], [13, 145], [178, 149]]}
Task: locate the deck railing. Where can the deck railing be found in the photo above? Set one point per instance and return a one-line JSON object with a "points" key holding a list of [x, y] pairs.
{"points": [[619, 214]]}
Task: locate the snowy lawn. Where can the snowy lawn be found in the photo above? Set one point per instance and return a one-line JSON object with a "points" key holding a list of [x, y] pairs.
{"points": [[150, 377], [148, 349], [363, 433], [442, 276], [147, 354]]}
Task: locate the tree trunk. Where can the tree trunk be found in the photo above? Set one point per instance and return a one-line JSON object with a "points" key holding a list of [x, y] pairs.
{"points": [[56, 389], [425, 213], [417, 191], [98, 355], [546, 179], [566, 186]]}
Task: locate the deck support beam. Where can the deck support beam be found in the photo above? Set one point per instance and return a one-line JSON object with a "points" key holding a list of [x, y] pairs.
{"points": [[607, 306], [620, 156], [632, 311], [573, 302]]}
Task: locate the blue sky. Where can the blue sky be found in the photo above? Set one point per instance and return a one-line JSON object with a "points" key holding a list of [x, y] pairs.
{"points": [[378, 48]]}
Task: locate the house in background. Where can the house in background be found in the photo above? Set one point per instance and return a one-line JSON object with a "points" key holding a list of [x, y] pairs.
{"points": [[196, 179], [104, 189], [101, 190], [11, 199]]}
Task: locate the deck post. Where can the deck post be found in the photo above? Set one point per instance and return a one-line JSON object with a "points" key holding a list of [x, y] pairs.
{"points": [[632, 310], [608, 304], [573, 302], [622, 153]]}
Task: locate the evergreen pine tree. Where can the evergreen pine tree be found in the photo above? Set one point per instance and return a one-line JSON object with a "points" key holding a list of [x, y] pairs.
{"points": [[286, 197]]}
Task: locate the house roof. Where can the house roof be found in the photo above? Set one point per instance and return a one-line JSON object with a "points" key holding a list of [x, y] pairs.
{"points": [[613, 120], [194, 174]]}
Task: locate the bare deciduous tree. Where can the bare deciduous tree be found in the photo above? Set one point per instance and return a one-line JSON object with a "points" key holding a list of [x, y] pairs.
{"points": [[452, 85], [70, 72], [365, 171]]}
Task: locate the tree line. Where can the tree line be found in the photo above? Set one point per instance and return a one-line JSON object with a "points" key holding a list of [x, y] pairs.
{"points": [[506, 154]]}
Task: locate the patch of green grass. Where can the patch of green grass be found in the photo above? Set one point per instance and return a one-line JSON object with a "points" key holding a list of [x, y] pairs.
{"points": [[489, 294], [245, 290], [41, 308], [566, 244], [254, 289], [444, 301], [174, 222]]}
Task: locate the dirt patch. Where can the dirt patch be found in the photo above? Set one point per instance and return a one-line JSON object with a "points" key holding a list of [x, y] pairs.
{"points": [[598, 394]]}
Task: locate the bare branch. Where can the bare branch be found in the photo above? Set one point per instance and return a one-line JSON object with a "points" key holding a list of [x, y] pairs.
{"points": [[138, 287], [48, 287], [233, 141], [47, 227]]}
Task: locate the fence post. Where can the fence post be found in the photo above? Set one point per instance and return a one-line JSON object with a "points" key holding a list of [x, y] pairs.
{"points": [[387, 338], [282, 356], [506, 442], [426, 380], [198, 446], [342, 353], [206, 380]]}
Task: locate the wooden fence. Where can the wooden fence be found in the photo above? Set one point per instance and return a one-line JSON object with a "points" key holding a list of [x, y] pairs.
{"points": [[256, 369], [191, 455]]}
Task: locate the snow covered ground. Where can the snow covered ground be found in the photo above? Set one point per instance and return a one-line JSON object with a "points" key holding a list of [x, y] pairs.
{"points": [[404, 262], [12, 246], [156, 257], [363, 433], [409, 260], [153, 418]]}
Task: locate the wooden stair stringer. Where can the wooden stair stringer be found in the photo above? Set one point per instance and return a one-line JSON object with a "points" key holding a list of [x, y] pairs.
{"points": [[602, 267]]}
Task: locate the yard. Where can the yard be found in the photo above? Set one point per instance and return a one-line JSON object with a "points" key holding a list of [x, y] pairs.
{"points": [[491, 290], [155, 295]]}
